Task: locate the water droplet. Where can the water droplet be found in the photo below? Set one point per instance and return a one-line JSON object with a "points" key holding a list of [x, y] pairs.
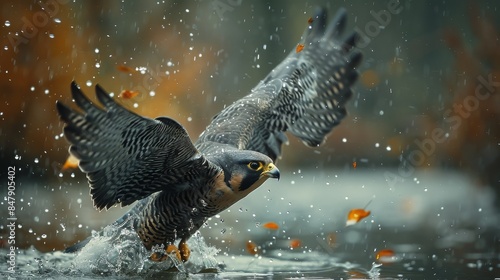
{"points": [[344, 140], [57, 20], [7, 23], [152, 93], [36, 219], [96, 50], [88, 83], [36, 160], [388, 148], [46, 210]]}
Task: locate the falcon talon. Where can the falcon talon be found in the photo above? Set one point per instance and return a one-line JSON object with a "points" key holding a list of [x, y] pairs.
{"points": [[160, 256], [173, 252], [184, 251], [178, 184]]}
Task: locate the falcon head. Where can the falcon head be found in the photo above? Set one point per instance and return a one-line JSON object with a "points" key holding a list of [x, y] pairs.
{"points": [[244, 171]]}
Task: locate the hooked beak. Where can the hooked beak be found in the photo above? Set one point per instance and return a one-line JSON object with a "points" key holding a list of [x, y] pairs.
{"points": [[271, 171]]}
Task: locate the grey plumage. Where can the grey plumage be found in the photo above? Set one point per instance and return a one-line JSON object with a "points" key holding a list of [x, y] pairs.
{"points": [[178, 184], [305, 94]]}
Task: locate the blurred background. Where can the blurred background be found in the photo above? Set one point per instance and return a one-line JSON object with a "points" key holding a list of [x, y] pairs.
{"points": [[427, 100]]}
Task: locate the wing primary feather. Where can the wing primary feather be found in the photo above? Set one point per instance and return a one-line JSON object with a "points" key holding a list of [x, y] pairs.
{"points": [[319, 23], [350, 42], [82, 101], [66, 114], [354, 60], [337, 25], [105, 99]]}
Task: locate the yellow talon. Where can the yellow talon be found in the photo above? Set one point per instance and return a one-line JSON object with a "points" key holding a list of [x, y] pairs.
{"points": [[162, 256], [184, 251], [172, 249]]}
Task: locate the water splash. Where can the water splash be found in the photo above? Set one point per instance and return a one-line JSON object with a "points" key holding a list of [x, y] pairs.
{"points": [[119, 251], [113, 251]]}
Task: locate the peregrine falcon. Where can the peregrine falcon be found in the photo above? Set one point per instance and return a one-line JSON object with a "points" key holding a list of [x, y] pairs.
{"points": [[178, 184]]}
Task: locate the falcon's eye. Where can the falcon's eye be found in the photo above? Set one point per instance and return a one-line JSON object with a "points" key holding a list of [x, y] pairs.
{"points": [[254, 165]]}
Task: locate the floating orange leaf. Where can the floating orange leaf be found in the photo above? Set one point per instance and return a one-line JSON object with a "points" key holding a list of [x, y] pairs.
{"points": [[356, 215], [71, 163], [299, 48], [252, 248], [354, 164], [271, 225], [369, 78], [295, 243], [128, 94], [310, 20], [357, 274], [124, 68], [385, 256]]}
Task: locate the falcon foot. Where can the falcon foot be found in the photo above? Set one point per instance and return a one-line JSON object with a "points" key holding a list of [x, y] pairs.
{"points": [[182, 253], [184, 250], [162, 256]]}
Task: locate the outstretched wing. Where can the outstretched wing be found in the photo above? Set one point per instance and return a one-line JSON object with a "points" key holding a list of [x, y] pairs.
{"points": [[127, 157], [305, 94]]}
